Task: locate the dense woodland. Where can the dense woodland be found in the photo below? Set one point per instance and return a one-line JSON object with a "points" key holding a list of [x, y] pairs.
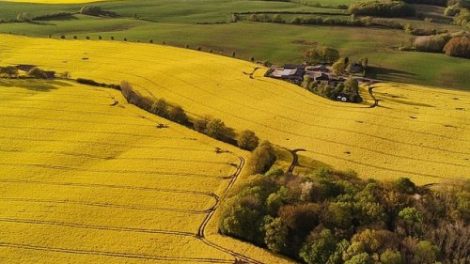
{"points": [[334, 217]]}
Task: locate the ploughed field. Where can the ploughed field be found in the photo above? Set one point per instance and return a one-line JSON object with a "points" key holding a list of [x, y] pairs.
{"points": [[416, 132], [87, 178]]}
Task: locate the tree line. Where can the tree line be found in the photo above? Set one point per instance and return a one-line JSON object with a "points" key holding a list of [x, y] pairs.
{"points": [[334, 217], [210, 126]]}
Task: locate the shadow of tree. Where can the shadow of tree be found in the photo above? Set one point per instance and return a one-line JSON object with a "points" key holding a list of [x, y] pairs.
{"points": [[34, 84], [387, 74]]}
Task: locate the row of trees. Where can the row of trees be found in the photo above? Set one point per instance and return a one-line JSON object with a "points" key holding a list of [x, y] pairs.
{"points": [[34, 72], [333, 217], [208, 125], [382, 8]]}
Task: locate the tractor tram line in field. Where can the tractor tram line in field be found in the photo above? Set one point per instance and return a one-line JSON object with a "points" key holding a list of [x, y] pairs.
{"points": [[80, 186], [304, 123]]}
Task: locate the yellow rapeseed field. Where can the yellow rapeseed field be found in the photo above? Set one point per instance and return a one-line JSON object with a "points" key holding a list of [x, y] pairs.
{"points": [[417, 132], [88, 178]]}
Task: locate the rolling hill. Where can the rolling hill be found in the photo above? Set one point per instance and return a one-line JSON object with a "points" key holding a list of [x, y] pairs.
{"points": [[416, 131], [88, 178]]}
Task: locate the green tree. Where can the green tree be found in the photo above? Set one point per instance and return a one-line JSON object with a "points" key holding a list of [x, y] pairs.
{"points": [[318, 247], [160, 108], [247, 140], [339, 67], [277, 199], [412, 218], [339, 214], [362, 258], [262, 158], [425, 253], [216, 128], [276, 235], [405, 185], [390, 256], [244, 219], [178, 115], [321, 54]]}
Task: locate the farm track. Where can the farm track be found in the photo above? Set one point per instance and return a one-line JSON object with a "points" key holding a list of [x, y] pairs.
{"points": [[202, 228]]}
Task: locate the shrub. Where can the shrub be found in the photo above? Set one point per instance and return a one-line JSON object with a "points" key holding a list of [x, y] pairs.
{"points": [[382, 8], [9, 71], [24, 17], [430, 43], [405, 185], [339, 67], [201, 124], [452, 10], [177, 114], [216, 128], [262, 158], [160, 107], [319, 247], [248, 140], [35, 72], [458, 47], [321, 54], [96, 11]]}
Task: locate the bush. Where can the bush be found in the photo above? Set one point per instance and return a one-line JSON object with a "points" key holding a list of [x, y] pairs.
{"points": [[430, 43], [200, 124], [24, 17], [247, 140], [458, 47], [35, 72], [262, 158], [96, 11], [160, 107], [405, 185], [216, 128], [321, 55], [382, 8], [178, 115], [9, 71]]}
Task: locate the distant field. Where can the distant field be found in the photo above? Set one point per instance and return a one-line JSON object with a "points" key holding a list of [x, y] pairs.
{"points": [[53, 1], [418, 132], [274, 42], [87, 178]]}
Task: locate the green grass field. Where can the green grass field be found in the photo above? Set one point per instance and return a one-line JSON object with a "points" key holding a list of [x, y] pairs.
{"points": [[180, 24]]}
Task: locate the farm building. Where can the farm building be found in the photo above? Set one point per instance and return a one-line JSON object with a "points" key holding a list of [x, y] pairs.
{"points": [[289, 72]]}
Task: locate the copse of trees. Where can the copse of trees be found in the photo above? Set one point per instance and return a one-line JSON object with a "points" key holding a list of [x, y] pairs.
{"points": [[332, 217], [382, 8], [321, 54]]}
